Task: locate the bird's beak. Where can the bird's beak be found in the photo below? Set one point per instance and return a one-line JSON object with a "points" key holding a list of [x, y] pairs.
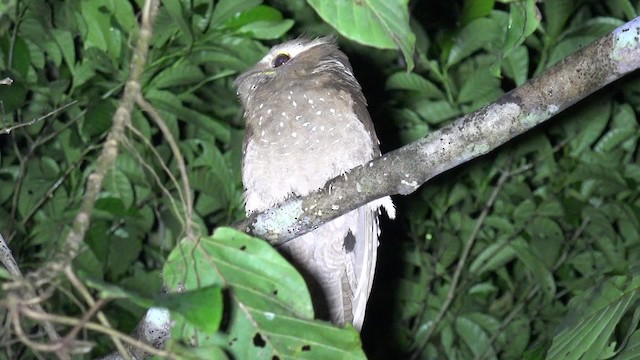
{"points": [[253, 72]]}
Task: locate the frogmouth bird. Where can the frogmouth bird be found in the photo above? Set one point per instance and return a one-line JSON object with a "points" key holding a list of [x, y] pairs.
{"points": [[306, 123]]}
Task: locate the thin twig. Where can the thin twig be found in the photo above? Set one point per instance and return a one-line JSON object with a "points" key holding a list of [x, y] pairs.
{"points": [[95, 308], [80, 225], [188, 200], [71, 321], [7, 130], [155, 176]]}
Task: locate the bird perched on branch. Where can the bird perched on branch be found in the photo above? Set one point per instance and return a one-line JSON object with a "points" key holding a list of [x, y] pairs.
{"points": [[306, 123]]}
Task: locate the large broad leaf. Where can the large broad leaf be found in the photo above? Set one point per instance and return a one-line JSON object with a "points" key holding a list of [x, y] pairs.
{"points": [[270, 307], [598, 313], [380, 23]]}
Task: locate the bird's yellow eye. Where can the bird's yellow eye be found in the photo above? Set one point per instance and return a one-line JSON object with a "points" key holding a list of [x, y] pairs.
{"points": [[281, 59]]}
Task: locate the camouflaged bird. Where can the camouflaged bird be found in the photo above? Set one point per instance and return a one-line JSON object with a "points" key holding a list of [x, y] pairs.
{"points": [[306, 123]]}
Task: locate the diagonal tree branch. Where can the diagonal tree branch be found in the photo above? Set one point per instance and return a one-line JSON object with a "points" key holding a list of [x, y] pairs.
{"points": [[402, 171]]}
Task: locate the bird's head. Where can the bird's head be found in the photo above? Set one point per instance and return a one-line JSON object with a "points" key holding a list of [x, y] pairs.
{"points": [[294, 59]]}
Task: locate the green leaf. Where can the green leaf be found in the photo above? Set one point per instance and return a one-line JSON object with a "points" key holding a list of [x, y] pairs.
{"points": [[255, 14], [567, 47], [201, 308], [435, 112], [524, 211], [101, 34], [115, 292], [474, 9], [589, 124], [473, 37], [268, 298], [499, 223], [225, 9], [477, 85], [12, 96], [36, 54], [177, 14], [625, 117], [534, 264], [516, 65], [595, 27], [612, 138], [21, 55], [98, 118], [492, 257], [556, 14], [64, 39], [118, 185], [547, 239], [123, 13], [124, 251], [474, 337], [632, 350], [180, 73], [523, 21], [169, 102], [379, 23], [589, 336], [413, 82], [518, 335], [267, 30], [83, 73], [550, 208]]}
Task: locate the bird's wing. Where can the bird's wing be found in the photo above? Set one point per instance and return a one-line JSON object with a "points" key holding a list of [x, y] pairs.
{"points": [[363, 260]]}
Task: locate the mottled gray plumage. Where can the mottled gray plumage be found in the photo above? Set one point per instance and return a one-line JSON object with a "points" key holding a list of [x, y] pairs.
{"points": [[306, 123]]}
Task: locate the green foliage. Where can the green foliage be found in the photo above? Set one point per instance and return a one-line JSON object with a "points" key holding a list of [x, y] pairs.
{"points": [[552, 267], [386, 23], [552, 272], [267, 297]]}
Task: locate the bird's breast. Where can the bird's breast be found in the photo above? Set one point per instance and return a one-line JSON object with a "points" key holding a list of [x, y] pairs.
{"points": [[298, 141]]}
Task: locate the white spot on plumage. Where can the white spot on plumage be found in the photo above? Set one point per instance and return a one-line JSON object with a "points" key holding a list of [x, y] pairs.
{"points": [[310, 101], [261, 106], [306, 124], [322, 99], [281, 124], [294, 134], [333, 111], [294, 103], [298, 117], [268, 111], [284, 114], [318, 112]]}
